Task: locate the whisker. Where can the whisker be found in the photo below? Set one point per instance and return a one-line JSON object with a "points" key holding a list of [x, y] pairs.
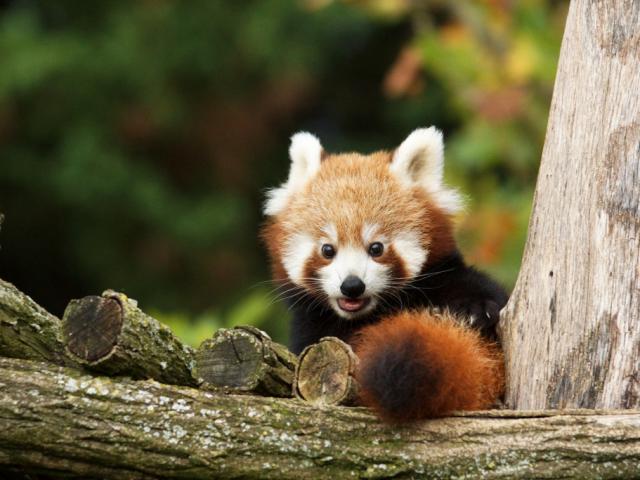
{"points": [[422, 275], [286, 299]]}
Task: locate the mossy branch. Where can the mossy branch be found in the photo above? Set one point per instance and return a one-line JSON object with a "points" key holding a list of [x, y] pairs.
{"points": [[27, 330], [109, 334], [58, 421], [246, 360]]}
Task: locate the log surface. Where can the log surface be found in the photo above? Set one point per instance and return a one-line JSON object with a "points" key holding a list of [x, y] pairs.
{"points": [[27, 330], [111, 335], [245, 359], [325, 373], [571, 330], [57, 421]]}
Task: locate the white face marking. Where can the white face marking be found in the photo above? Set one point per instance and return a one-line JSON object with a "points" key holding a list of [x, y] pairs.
{"points": [[331, 233], [298, 249], [409, 248], [353, 261], [369, 233]]}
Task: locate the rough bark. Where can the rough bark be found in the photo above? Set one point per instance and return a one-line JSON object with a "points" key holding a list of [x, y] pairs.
{"points": [[56, 421], [325, 373], [571, 329], [111, 335], [27, 330], [245, 359]]}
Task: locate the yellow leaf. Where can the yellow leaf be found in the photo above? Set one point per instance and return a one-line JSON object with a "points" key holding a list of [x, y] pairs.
{"points": [[521, 60]]}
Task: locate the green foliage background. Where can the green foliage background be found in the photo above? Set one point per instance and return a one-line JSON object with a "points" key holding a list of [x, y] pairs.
{"points": [[136, 138]]}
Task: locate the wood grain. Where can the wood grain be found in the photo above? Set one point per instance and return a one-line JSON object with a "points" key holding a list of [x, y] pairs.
{"points": [[109, 334], [59, 422], [27, 330], [325, 373], [245, 360], [571, 329]]}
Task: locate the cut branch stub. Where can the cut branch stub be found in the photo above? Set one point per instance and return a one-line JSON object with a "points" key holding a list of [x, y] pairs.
{"points": [[325, 373], [245, 359], [110, 334], [92, 327], [27, 330]]}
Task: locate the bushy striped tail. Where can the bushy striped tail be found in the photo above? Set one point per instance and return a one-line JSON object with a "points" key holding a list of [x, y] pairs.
{"points": [[418, 365]]}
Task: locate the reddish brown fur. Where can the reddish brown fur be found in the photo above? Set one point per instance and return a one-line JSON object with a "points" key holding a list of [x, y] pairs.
{"points": [[273, 235], [349, 191], [313, 264], [439, 230], [438, 364], [390, 257], [413, 365]]}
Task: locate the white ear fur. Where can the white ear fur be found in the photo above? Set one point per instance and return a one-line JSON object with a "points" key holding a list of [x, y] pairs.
{"points": [[419, 161], [305, 153]]}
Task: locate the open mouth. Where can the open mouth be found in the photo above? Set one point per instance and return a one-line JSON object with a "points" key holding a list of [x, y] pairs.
{"points": [[353, 305]]}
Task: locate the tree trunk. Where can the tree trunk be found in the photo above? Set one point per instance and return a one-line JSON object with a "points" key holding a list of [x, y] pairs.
{"points": [[571, 330], [57, 421]]}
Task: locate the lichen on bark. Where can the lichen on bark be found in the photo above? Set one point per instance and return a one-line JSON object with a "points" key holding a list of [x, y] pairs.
{"points": [[60, 421], [27, 330], [111, 335]]}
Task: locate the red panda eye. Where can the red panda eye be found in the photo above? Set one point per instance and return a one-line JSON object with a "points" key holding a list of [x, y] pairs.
{"points": [[328, 251], [376, 249]]}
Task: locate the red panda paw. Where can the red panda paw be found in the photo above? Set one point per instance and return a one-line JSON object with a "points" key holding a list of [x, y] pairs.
{"points": [[422, 365]]}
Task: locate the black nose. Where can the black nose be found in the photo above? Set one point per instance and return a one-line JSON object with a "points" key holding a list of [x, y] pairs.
{"points": [[352, 287]]}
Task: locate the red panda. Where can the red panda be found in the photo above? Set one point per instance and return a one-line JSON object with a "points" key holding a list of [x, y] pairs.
{"points": [[364, 247]]}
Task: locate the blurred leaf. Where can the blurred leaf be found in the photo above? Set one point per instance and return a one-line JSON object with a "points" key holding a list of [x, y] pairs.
{"points": [[192, 331], [136, 139], [404, 77]]}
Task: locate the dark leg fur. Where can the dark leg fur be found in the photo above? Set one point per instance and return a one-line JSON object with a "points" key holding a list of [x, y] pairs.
{"points": [[464, 291]]}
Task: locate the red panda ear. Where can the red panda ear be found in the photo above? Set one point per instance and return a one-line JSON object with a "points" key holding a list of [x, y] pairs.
{"points": [[306, 154], [419, 161]]}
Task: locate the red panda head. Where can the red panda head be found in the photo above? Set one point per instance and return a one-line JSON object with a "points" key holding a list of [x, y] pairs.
{"points": [[350, 228]]}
